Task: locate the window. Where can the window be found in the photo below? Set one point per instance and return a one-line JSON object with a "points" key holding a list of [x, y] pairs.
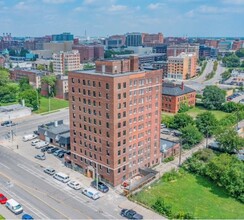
{"points": [[107, 86], [124, 95], [119, 115], [119, 85], [107, 96], [119, 96], [72, 80], [93, 83], [99, 84], [119, 125], [84, 82], [124, 85], [107, 125], [107, 106], [119, 153]]}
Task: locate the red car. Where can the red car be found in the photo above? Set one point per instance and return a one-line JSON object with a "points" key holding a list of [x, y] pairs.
{"points": [[3, 199]]}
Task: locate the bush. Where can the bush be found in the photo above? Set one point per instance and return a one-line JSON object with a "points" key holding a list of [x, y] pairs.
{"points": [[172, 175], [171, 158], [160, 207]]}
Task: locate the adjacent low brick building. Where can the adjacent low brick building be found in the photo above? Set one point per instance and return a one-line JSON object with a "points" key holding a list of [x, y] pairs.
{"points": [[34, 76], [174, 94], [169, 148]]}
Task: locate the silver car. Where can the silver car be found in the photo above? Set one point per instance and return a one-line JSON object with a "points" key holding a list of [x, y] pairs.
{"points": [[49, 171]]}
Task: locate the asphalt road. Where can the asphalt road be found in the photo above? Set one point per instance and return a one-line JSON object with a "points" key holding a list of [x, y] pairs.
{"points": [[41, 195], [28, 124]]}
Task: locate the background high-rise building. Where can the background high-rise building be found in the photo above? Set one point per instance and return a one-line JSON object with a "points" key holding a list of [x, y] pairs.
{"points": [[182, 66], [63, 37], [133, 39], [66, 61], [115, 116], [175, 50], [153, 39]]}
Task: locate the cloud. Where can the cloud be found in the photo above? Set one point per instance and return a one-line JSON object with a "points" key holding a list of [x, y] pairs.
{"points": [[78, 9], [56, 1], [154, 6], [22, 6], [115, 8], [234, 2], [208, 10]]}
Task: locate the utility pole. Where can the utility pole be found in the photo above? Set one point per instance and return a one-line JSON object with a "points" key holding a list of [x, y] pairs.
{"points": [[180, 151], [97, 175], [37, 99]]}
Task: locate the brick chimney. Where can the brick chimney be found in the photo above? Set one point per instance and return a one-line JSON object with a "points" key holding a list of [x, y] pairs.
{"points": [[182, 85], [134, 63]]}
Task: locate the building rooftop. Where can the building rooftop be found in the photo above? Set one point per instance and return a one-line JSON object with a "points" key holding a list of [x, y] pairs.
{"points": [[37, 72], [11, 108], [166, 144], [93, 72], [175, 89], [56, 127]]}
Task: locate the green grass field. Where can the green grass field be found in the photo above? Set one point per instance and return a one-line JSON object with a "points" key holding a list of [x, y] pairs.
{"points": [[1, 217], [198, 110], [193, 194], [55, 104]]}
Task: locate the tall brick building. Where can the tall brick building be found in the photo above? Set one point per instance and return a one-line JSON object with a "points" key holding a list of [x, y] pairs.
{"points": [[115, 115]]}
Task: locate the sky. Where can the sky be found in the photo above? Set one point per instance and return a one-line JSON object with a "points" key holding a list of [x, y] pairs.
{"points": [[192, 18]]}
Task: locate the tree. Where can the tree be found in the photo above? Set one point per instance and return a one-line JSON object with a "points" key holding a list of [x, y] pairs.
{"points": [[190, 136], [50, 81], [229, 140], [181, 120], [226, 74], [213, 97], [30, 98], [184, 107], [40, 67], [4, 76], [9, 92], [24, 84], [231, 61], [51, 67], [206, 123], [240, 53], [231, 107], [167, 120]]}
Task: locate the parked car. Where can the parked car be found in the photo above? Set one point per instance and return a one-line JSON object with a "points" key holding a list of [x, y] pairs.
{"points": [[165, 131], [62, 177], [33, 143], [3, 199], [61, 155], [101, 186], [49, 171], [45, 149], [40, 157], [54, 150], [57, 152], [8, 124], [91, 193], [49, 151], [29, 137], [130, 214], [14, 206], [74, 185], [27, 216], [41, 144]]}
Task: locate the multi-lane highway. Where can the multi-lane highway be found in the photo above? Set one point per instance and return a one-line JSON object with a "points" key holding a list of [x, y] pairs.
{"points": [[41, 195]]}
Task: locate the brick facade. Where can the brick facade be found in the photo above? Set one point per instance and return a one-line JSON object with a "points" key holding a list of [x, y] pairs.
{"points": [[115, 120]]}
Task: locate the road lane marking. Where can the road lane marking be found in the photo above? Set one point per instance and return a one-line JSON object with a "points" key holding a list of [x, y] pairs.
{"points": [[57, 184], [5, 166]]}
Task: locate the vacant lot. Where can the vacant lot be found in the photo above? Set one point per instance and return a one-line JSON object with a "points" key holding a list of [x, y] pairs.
{"points": [[198, 110], [55, 104], [193, 194]]}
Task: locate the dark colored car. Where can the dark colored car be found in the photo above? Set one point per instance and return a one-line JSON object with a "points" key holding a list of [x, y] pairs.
{"points": [[54, 150], [101, 186], [36, 132], [130, 214], [61, 154], [27, 216], [7, 124], [45, 149], [3, 199]]}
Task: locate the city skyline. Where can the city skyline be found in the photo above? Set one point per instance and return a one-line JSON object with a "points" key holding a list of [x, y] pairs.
{"points": [[101, 18]]}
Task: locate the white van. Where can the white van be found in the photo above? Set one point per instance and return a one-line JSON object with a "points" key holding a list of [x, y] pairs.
{"points": [[41, 144], [29, 137], [61, 177], [91, 193], [14, 206]]}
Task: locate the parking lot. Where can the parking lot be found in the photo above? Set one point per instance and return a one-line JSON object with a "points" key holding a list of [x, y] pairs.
{"points": [[44, 197]]}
